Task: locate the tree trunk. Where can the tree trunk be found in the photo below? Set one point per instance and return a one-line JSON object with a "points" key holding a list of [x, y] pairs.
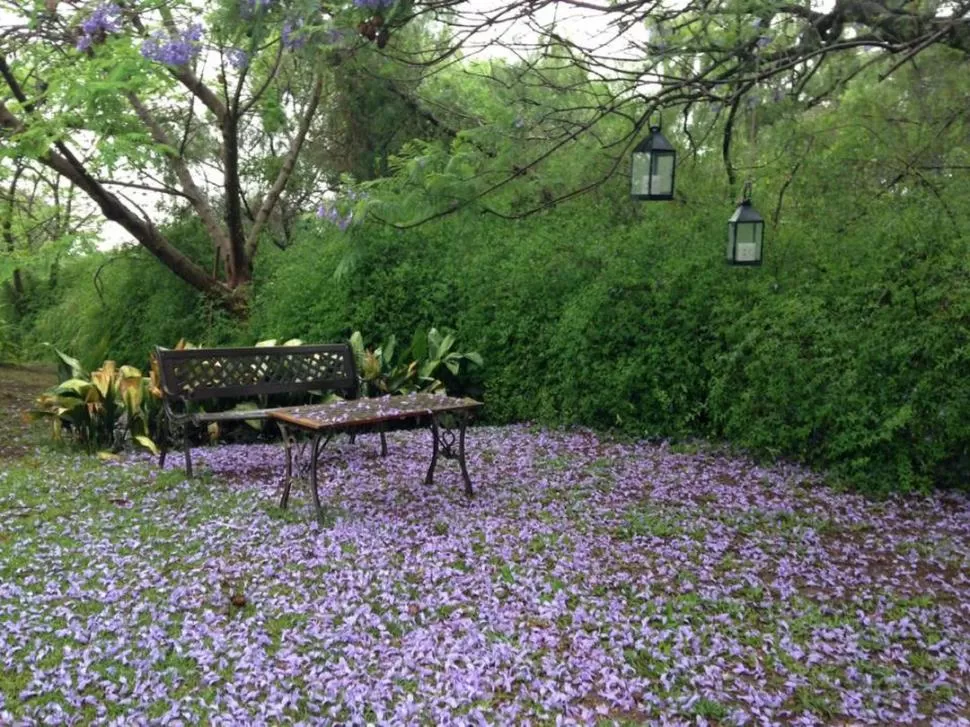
{"points": [[60, 159], [8, 238], [239, 269]]}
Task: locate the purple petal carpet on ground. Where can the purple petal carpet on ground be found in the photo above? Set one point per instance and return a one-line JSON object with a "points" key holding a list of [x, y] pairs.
{"points": [[588, 580]]}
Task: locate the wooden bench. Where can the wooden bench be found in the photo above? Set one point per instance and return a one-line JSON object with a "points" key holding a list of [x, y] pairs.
{"points": [[192, 375]]}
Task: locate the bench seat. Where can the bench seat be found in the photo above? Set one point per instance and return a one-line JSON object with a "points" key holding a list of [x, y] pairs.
{"points": [[190, 376]]}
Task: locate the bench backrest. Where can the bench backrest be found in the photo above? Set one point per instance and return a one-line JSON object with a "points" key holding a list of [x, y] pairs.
{"points": [[211, 373]]}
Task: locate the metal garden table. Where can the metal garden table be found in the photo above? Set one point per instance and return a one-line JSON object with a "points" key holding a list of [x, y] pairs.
{"points": [[307, 430]]}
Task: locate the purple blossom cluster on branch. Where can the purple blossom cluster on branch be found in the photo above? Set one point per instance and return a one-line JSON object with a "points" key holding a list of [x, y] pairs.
{"points": [[237, 58], [174, 49], [249, 8], [291, 35], [104, 20], [331, 213], [373, 4]]}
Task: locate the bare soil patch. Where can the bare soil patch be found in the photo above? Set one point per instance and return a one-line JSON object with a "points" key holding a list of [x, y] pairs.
{"points": [[19, 388]]}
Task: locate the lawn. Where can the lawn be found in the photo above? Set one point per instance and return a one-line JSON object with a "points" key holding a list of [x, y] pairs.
{"points": [[590, 580]]}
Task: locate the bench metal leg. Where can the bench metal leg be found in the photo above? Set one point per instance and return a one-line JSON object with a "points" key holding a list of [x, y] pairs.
{"points": [[163, 435], [170, 431], [444, 438], [187, 445]]}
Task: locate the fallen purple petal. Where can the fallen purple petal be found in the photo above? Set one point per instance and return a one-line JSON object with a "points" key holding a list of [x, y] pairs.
{"points": [[588, 579]]}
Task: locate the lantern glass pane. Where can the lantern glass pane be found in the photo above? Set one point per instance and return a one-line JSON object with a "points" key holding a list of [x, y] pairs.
{"points": [[662, 174], [640, 175], [747, 247], [730, 244]]}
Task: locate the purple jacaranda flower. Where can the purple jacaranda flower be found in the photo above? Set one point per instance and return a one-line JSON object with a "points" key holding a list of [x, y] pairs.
{"points": [[174, 49], [291, 35], [248, 8], [743, 588], [105, 19], [373, 4], [327, 211], [193, 33], [237, 58]]}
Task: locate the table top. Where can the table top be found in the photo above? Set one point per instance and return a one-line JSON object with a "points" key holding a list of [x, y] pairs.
{"points": [[359, 412]]}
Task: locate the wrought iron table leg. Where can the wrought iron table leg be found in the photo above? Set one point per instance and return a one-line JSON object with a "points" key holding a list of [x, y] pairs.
{"points": [[353, 438], [288, 443], [429, 478], [461, 455], [315, 448], [445, 440], [297, 454]]}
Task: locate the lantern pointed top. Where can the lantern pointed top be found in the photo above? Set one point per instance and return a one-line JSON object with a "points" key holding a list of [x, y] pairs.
{"points": [[746, 213], [654, 141]]}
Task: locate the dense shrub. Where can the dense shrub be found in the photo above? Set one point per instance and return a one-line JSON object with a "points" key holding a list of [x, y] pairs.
{"points": [[850, 356], [119, 304], [847, 358]]}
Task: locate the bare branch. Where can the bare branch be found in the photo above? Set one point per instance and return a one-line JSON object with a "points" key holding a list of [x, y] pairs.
{"points": [[289, 163], [181, 169]]}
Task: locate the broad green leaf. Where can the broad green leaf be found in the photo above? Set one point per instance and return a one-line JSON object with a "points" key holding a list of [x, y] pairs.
{"points": [[147, 443], [77, 370], [256, 424], [78, 387]]}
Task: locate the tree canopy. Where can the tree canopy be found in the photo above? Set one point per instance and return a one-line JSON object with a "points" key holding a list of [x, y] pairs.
{"points": [[249, 112]]}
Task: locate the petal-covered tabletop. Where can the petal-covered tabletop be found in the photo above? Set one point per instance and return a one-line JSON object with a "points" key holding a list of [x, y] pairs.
{"points": [[365, 411]]}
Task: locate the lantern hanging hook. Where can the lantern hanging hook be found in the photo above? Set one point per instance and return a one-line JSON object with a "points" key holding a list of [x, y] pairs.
{"points": [[746, 191]]}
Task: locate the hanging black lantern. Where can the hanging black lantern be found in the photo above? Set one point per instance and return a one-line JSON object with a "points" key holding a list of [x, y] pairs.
{"points": [[746, 233], [652, 168]]}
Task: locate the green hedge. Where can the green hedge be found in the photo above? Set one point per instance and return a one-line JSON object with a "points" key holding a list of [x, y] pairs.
{"points": [[120, 304], [849, 355], [847, 358]]}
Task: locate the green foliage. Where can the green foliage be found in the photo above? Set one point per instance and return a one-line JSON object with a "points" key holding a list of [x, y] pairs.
{"points": [[846, 351], [845, 356], [389, 369], [9, 347], [121, 304], [104, 408]]}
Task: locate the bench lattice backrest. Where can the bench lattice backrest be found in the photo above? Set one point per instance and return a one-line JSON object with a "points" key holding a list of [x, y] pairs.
{"points": [[211, 373]]}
